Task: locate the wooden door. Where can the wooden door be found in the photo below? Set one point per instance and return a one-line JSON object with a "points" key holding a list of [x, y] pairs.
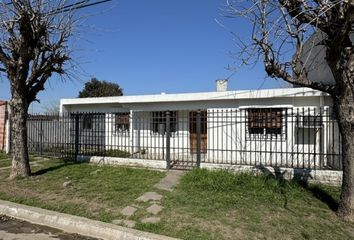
{"points": [[193, 132]]}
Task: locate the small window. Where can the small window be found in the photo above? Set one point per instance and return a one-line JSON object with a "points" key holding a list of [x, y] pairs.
{"points": [[159, 122], [265, 121], [86, 122], [121, 122], [314, 121]]}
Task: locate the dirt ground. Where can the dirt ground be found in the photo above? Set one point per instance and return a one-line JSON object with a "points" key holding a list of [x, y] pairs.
{"points": [[14, 229]]}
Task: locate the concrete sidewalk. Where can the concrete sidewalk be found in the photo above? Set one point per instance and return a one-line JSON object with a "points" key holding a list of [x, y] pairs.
{"points": [[74, 224]]}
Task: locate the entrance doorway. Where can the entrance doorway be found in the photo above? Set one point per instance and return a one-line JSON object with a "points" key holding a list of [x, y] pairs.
{"points": [[193, 132]]}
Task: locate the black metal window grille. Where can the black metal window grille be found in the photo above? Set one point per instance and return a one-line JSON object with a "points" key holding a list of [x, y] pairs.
{"points": [[193, 122], [266, 122], [86, 121], [309, 121], [158, 122], [121, 122]]}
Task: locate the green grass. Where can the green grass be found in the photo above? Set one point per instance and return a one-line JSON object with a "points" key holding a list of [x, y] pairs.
{"points": [[5, 160], [222, 205], [97, 192], [3, 155], [5, 163], [205, 205]]}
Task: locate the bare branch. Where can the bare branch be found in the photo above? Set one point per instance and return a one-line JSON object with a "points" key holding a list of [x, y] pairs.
{"points": [[34, 41], [281, 35]]}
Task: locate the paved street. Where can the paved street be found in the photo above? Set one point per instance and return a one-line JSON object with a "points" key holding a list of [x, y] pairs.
{"points": [[13, 229]]}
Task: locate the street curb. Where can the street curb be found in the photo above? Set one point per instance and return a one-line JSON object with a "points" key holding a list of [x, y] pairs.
{"points": [[75, 224]]}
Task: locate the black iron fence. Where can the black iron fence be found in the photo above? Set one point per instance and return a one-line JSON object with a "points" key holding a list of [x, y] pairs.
{"points": [[280, 137]]}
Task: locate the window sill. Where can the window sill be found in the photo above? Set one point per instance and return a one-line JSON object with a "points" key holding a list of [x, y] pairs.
{"points": [[266, 137]]}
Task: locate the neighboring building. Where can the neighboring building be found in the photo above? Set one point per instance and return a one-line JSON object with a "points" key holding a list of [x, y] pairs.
{"points": [[3, 121], [313, 59], [291, 127]]}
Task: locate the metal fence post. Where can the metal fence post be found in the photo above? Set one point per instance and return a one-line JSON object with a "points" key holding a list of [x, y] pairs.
{"points": [[41, 136], [168, 139], [198, 122], [77, 136]]}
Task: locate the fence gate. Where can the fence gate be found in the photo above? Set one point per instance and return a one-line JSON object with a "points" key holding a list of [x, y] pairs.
{"points": [[88, 134], [187, 155]]}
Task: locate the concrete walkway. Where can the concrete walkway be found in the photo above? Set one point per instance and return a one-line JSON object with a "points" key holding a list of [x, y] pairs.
{"points": [[171, 180], [168, 183]]}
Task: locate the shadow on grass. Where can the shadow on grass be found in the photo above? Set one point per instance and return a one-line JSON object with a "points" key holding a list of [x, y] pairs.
{"points": [[321, 195], [302, 180], [281, 182], [53, 168]]}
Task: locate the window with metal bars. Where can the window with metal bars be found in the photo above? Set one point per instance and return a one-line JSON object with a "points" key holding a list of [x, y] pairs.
{"points": [[87, 121], [266, 122], [158, 122], [122, 122]]}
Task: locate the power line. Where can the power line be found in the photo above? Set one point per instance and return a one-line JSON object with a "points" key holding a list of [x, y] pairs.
{"points": [[76, 6], [73, 6]]}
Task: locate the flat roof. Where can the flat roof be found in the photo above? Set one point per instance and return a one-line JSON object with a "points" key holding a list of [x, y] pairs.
{"points": [[203, 96]]}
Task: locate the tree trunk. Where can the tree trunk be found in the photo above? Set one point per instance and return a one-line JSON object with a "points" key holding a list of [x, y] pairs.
{"points": [[344, 108], [20, 158]]}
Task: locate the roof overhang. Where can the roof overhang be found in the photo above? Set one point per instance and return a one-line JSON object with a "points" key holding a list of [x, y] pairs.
{"points": [[197, 97]]}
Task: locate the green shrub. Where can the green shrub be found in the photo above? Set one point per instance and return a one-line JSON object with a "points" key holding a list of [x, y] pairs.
{"points": [[107, 153], [117, 153]]}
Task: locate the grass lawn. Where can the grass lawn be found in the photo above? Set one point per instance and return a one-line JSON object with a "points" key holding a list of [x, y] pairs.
{"points": [[5, 160], [205, 205], [222, 205], [3, 155], [96, 192]]}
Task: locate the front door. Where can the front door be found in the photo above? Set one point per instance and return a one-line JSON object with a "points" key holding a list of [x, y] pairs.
{"points": [[193, 132]]}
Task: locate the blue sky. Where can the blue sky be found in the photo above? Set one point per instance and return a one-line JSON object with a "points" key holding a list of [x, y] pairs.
{"points": [[154, 46]]}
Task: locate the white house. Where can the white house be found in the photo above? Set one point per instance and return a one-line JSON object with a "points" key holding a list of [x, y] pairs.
{"points": [[287, 127]]}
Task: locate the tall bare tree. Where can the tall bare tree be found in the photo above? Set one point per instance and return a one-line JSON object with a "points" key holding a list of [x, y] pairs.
{"points": [[297, 39], [35, 44]]}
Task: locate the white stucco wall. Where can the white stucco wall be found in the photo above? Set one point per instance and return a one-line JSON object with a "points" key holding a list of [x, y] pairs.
{"points": [[230, 142], [227, 139]]}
